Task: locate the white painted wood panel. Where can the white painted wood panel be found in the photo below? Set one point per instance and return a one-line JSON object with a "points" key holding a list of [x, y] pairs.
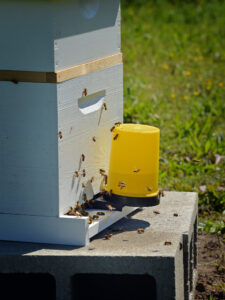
{"points": [[86, 30], [49, 36], [80, 123], [26, 31], [29, 153]]}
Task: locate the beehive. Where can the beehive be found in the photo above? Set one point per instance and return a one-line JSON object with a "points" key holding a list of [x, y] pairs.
{"points": [[61, 92]]}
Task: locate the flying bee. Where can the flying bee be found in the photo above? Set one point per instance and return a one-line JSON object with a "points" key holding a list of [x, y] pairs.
{"points": [[60, 135], [116, 136], [94, 139], [148, 188], [95, 217], [104, 106], [167, 242], [84, 173], [100, 213], [140, 230], [156, 212], [161, 193], [118, 123], [92, 179], [121, 184], [82, 157], [175, 214], [110, 207], [84, 92], [78, 206], [102, 172], [136, 170], [84, 197], [71, 212], [107, 236], [111, 129], [76, 174]]}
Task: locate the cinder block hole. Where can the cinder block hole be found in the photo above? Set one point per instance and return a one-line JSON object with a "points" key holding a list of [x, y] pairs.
{"points": [[107, 286], [27, 286]]}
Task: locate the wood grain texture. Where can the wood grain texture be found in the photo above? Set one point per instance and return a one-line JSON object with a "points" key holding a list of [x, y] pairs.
{"points": [[62, 75]]}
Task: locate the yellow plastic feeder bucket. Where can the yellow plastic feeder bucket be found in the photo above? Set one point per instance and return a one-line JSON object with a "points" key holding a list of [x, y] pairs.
{"points": [[134, 165]]}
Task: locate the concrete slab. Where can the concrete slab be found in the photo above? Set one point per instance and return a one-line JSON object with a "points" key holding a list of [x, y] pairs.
{"points": [[171, 266]]}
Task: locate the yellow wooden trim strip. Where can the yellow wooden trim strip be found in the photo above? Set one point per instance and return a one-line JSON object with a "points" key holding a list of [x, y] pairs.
{"points": [[61, 75], [88, 67]]}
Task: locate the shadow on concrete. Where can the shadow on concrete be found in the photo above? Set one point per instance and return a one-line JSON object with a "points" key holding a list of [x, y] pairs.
{"points": [[20, 248], [126, 224]]}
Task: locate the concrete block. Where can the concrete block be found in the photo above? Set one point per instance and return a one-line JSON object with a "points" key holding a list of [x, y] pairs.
{"points": [[142, 262]]}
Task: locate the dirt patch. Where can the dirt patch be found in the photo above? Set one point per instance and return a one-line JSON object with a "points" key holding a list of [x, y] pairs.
{"points": [[211, 267]]}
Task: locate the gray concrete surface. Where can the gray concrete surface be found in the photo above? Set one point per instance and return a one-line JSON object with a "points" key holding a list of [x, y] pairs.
{"points": [[174, 267]]}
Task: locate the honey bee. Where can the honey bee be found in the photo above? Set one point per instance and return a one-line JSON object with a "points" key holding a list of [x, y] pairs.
{"points": [[84, 197], [116, 136], [175, 214], [118, 123], [84, 213], [110, 207], [82, 157], [78, 214], [148, 188], [95, 217], [102, 172], [121, 184], [78, 206], [94, 139], [111, 129], [181, 246], [76, 174], [71, 212], [105, 179], [84, 173], [92, 179], [167, 242], [100, 213], [156, 212], [84, 92], [161, 193], [60, 134], [140, 230], [104, 106], [83, 206], [107, 236], [136, 170], [90, 220]]}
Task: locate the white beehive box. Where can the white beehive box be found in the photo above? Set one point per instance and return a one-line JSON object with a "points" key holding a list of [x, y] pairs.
{"points": [[61, 63]]}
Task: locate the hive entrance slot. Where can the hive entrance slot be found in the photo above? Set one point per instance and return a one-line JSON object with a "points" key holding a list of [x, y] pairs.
{"points": [[92, 102]]}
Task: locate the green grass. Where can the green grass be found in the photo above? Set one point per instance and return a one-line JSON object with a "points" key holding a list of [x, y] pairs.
{"points": [[174, 79]]}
